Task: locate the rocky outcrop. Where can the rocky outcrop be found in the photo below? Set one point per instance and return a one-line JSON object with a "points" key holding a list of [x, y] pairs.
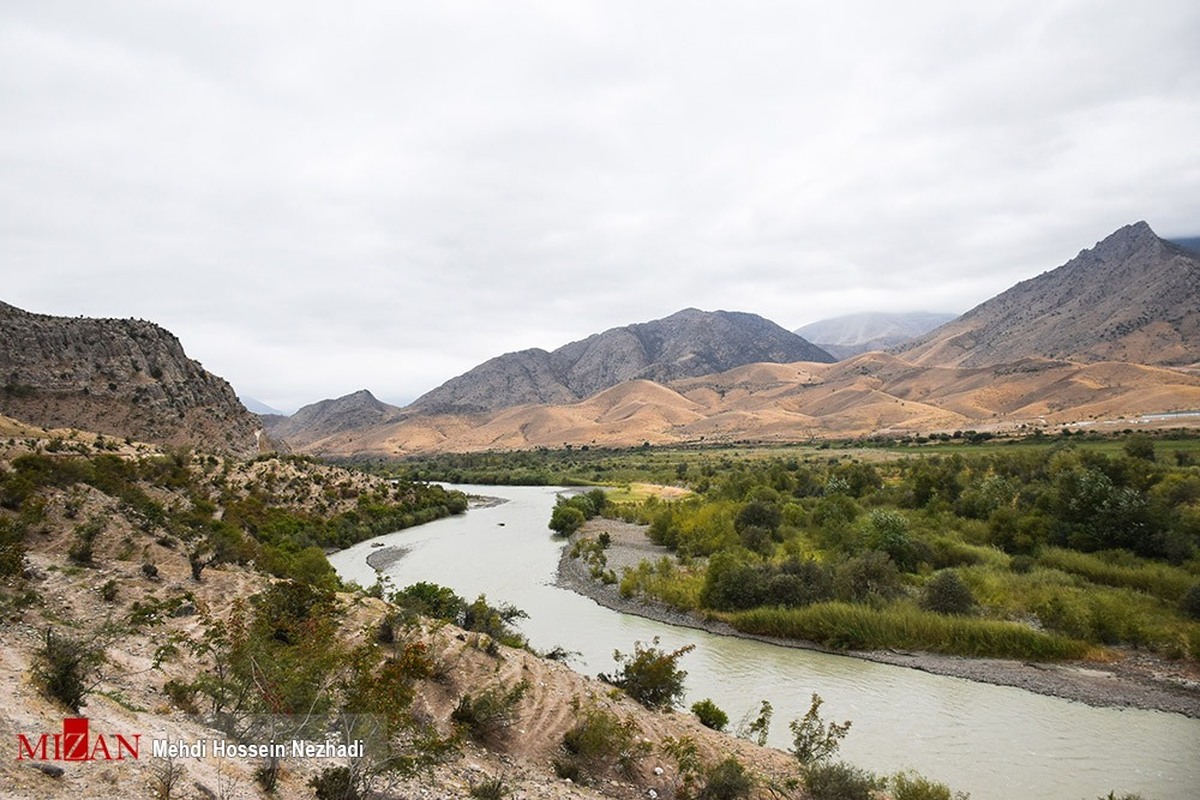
{"points": [[686, 344], [1133, 297], [121, 377]]}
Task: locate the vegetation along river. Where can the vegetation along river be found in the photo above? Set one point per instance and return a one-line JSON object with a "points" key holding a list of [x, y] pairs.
{"points": [[992, 741]]}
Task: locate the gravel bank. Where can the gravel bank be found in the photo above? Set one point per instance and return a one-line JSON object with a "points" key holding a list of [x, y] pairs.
{"points": [[1135, 680]]}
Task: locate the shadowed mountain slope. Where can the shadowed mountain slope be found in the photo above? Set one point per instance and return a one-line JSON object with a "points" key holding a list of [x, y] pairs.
{"points": [[685, 344], [1133, 297]]}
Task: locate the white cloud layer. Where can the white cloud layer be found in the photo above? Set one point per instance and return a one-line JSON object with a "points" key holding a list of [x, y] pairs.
{"points": [[320, 198]]}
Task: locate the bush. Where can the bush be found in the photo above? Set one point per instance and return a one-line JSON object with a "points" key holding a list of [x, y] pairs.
{"points": [[489, 789], [710, 715], [12, 549], [1189, 604], [869, 576], [727, 780], [911, 786], [838, 781], [65, 667], [947, 594], [335, 783], [598, 742], [489, 713], [813, 739], [651, 676]]}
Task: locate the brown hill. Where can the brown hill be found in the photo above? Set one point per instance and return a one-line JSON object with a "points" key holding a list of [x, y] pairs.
{"points": [[1133, 297], [121, 377], [685, 344], [874, 393]]}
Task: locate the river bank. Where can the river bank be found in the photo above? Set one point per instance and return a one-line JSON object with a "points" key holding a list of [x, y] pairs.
{"points": [[1134, 680]]}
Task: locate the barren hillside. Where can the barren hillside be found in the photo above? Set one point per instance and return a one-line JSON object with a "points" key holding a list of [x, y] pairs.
{"points": [[135, 601]]}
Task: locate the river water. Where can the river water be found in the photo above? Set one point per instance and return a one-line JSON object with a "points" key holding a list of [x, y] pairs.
{"points": [[992, 741]]}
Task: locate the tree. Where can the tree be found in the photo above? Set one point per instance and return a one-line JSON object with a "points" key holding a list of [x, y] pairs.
{"points": [[651, 675]]}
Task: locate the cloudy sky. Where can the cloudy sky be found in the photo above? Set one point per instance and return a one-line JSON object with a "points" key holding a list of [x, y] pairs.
{"points": [[321, 197]]}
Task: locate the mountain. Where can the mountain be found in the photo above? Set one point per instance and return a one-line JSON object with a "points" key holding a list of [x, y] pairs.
{"points": [[1133, 297], [1189, 243], [685, 344], [119, 377], [329, 417], [259, 407], [852, 334], [870, 394]]}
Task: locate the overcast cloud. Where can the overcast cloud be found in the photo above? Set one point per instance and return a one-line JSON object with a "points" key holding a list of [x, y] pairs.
{"points": [[321, 197]]}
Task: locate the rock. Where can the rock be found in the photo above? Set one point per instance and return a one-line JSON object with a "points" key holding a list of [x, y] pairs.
{"points": [[119, 377]]}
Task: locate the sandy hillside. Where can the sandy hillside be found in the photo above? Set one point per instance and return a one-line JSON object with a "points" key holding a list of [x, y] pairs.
{"points": [[129, 695]]}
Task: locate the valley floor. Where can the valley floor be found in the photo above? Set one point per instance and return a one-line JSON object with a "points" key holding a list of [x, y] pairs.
{"points": [[1135, 679]]}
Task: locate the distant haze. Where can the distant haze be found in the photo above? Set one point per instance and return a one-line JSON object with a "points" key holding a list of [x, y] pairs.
{"points": [[851, 334]]}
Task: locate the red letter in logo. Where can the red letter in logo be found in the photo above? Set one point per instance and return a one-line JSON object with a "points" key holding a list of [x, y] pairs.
{"points": [[25, 749], [75, 739]]}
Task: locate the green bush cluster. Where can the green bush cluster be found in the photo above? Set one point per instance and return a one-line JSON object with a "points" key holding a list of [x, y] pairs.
{"points": [[1097, 546], [570, 513], [651, 675], [599, 742], [440, 602]]}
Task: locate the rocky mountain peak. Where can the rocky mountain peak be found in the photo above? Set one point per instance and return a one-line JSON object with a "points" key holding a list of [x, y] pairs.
{"points": [[685, 344], [1132, 297], [122, 377], [359, 409]]}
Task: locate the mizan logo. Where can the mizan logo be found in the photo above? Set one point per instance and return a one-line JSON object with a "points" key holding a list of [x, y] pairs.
{"points": [[76, 743]]}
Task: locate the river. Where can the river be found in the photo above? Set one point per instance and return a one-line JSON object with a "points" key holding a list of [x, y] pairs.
{"points": [[995, 742]]}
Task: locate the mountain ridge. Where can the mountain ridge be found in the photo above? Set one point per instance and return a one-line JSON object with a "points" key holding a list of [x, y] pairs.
{"points": [[687, 343], [119, 377], [1132, 297]]}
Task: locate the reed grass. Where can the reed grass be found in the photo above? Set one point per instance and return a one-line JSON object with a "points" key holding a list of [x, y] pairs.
{"points": [[1154, 578], [858, 627]]}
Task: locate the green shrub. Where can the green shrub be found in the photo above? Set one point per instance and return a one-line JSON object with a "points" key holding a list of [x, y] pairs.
{"points": [[911, 786], [490, 712], [947, 594], [727, 780], [650, 675], [65, 668], [81, 550], [838, 781], [598, 742], [759, 728], [869, 576], [335, 783], [1189, 604], [108, 591], [813, 739], [710, 715], [489, 789], [12, 549]]}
